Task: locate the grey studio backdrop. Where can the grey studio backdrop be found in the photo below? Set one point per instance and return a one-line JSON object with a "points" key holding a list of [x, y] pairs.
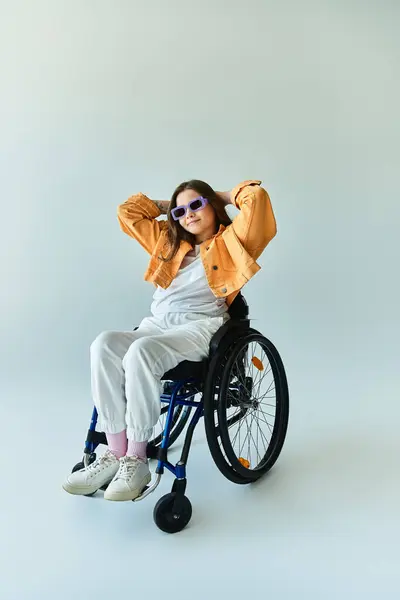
{"points": [[100, 100]]}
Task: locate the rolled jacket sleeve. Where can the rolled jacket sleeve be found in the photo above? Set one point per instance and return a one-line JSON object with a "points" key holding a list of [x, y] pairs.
{"points": [[255, 225], [138, 219]]}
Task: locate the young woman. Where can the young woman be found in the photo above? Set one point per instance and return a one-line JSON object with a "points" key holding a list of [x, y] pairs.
{"points": [[200, 260]]}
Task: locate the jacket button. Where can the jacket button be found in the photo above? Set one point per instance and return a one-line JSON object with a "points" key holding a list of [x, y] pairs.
{"points": [[215, 267], [223, 290]]}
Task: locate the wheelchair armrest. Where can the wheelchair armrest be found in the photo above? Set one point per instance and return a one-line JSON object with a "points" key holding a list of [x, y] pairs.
{"points": [[227, 333]]}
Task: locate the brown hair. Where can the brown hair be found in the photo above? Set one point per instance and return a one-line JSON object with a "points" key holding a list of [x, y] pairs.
{"points": [[176, 232]]}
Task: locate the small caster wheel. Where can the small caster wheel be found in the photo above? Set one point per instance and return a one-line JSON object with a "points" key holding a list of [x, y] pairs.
{"points": [[80, 465], [166, 519]]}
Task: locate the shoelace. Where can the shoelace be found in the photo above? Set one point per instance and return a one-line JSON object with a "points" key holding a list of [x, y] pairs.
{"points": [[127, 467], [103, 460]]}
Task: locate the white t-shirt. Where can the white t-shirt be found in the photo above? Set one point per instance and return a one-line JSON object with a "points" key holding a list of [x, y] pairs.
{"points": [[189, 292]]}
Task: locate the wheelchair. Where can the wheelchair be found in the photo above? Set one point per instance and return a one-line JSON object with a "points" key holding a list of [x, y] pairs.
{"points": [[245, 429]]}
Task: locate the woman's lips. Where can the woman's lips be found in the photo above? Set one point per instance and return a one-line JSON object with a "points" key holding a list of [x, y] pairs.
{"points": [[191, 222]]}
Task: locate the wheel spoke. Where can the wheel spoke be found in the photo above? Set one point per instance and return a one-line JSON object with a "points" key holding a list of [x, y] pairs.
{"points": [[248, 420], [262, 433], [250, 390]]}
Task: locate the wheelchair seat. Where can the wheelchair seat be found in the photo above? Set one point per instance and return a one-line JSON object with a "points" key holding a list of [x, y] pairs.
{"points": [[238, 312]]}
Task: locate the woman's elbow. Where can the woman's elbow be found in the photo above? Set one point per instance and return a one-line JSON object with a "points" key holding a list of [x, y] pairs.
{"points": [[271, 233]]}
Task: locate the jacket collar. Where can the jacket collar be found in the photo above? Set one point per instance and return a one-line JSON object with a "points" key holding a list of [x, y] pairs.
{"points": [[185, 246], [220, 230]]}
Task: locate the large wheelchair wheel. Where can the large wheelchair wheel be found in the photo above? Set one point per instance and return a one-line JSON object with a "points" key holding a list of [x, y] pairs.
{"points": [[246, 407]]}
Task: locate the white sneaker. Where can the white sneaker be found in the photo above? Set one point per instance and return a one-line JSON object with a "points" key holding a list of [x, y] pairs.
{"points": [[132, 477], [90, 479]]}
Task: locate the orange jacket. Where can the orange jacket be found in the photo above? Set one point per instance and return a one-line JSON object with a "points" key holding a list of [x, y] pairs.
{"points": [[229, 256]]}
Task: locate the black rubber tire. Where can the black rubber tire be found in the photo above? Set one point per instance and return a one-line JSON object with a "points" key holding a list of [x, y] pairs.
{"points": [[229, 464], [181, 417], [282, 404], [164, 517], [214, 375], [80, 465]]}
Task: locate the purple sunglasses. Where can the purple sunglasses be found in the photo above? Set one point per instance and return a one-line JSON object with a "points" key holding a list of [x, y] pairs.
{"points": [[194, 205]]}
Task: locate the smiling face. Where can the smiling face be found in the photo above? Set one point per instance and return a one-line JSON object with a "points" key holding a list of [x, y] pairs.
{"points": [[202, 223]]}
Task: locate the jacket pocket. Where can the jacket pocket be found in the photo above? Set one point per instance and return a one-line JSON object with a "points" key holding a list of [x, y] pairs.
{"points": [[224, 257]]}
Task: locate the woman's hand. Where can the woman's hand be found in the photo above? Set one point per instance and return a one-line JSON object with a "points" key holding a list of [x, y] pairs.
{"points": [[162, 205], [225, 197]]}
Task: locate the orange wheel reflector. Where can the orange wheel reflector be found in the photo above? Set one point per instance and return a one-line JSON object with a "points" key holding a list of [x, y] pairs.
{"points": [[257, 363], [244, 462]]}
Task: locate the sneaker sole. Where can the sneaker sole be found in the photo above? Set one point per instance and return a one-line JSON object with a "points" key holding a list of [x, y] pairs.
{"points": [[127, 495], [82, 491]]}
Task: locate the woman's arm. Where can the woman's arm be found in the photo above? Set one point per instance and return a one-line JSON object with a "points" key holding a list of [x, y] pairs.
{"points": [[225, 197], [138, 219], [255, 225], [162, 205]]}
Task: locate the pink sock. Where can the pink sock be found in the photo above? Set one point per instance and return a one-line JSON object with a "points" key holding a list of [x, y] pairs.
{"points": [[117, 443], [137, 449]]}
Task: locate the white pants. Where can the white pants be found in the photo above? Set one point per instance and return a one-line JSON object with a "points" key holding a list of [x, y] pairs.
{"points": [[127, 366]]}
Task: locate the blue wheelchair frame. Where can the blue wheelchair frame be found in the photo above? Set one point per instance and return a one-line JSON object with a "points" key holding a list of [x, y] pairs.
{"points": [[173, 399], [238, 312]]}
